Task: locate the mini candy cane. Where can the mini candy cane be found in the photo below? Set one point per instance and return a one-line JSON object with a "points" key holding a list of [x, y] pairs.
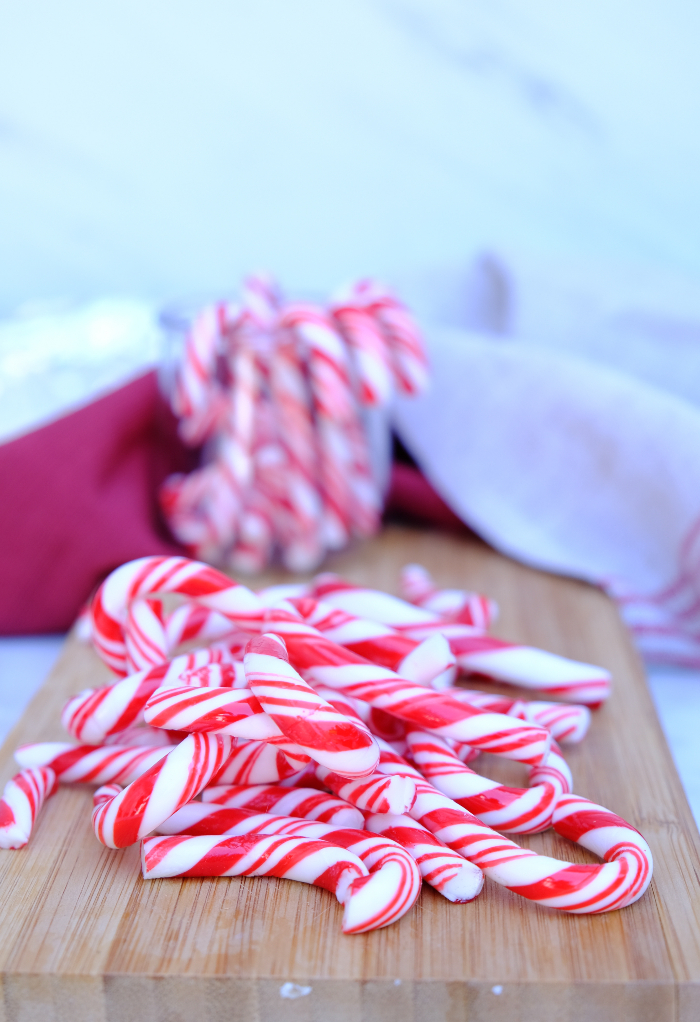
{"points": [[553, 770], [92, 764], [565, 722], [453, 876], [157, 794], [151, 636], [328, 664], [234, 712], [290, 858], [480, 654], [194, 399], [155, 576], [375, 794], [429, 662], [21, 803], [255, 763], [305, 803], [334, 408], [395, 883], [513, 810], [292, 405], [337, 742], [365, 340], [409, 361], [579, 889], [474, 609], [95, 714]]}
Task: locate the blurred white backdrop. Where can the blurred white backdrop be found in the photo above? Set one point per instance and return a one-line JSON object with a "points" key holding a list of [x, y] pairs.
{"points": [[164, 149]]}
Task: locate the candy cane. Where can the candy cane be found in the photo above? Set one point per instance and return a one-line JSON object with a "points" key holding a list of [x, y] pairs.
{"points": [[332, 739], [234, 712], [196, 400], [326, 663], [21, 803], [334, 409], [139, 735], [256, 763], [480, 654], [375, 794], [158, 793], [92, 764], [305, 803], [395, 883], [572, 888], [292, 404], [513, 810], [429, 662], [453, 876], [366, 342], [291, 858], [417, 587], [155, 576], [565, 722], [407, 352], [95, 714], [553, 770]]}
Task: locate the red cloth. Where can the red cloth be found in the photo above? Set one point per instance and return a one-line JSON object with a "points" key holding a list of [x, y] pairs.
{"points": [[78, 499], [412, 498]]}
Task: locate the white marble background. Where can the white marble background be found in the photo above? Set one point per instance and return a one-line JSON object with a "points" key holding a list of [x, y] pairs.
{"points": [[166, 148]]}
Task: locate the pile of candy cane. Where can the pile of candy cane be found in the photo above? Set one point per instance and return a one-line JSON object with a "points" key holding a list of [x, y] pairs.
{"points": [[322, 727], [276, 389]]}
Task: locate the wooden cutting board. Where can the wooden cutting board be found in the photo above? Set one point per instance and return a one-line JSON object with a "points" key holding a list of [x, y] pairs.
{"points": [[85, 938]]}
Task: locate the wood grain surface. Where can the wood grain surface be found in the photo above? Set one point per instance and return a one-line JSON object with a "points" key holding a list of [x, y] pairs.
{"points": [[85, 938]]}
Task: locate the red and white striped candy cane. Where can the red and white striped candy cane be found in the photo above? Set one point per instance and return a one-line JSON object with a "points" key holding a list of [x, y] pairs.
{"points": [[429, 662], [566, 722], [256, 763], [382, 725], [579, 888], [155, 576], [290, 858], [409, 361], [481, 654], [139, 735], [337, 742], [96, 714], [303, 548], [513, 810], [158, 793], [326, 663], [366, 341], [152, 636], [379, 793], [417, 587], [92, 764], [196, 399], [374, 903], [305, 803], [234, 712], [21, 803], [453, 876], [553, 770], [105, 793], [334, 410]]}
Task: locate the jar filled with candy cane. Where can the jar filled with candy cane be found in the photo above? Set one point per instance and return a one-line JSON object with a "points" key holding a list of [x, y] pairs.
{"points": [[289, 402]]}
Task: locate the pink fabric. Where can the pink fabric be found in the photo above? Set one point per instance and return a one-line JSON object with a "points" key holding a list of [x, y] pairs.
{"points": [[78, 499]]}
